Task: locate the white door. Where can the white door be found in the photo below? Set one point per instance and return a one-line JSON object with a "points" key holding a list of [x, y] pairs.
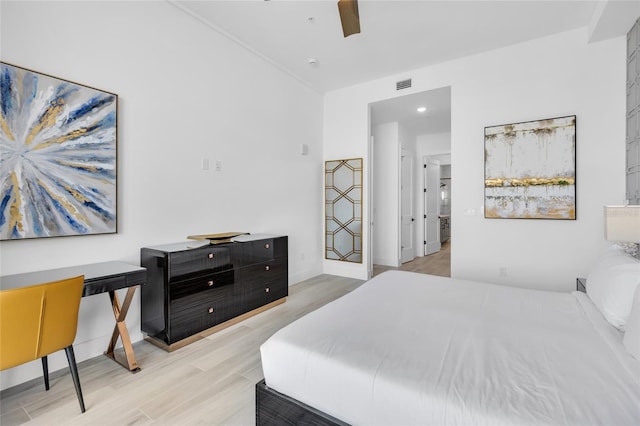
{"points": [[407, 251], [431, 206]]}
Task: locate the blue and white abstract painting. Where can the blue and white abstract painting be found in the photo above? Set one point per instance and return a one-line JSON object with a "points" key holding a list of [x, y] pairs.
{"points": [[58, 157]]}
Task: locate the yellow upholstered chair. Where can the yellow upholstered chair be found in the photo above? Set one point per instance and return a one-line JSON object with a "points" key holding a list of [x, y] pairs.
{"points": [[36, 321]]}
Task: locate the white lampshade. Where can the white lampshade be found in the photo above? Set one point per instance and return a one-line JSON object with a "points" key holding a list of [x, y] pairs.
{"points": [[622, 223]]}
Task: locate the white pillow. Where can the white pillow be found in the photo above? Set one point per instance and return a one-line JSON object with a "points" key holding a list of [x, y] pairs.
{"points": [[611, 285], [631, 339]]}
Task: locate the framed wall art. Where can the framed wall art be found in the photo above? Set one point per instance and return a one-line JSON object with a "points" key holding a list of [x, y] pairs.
{"points": [[530, 169], [58, 143]]}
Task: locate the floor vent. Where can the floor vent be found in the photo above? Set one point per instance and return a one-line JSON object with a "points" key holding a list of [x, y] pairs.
{"points": [[404, 84]]}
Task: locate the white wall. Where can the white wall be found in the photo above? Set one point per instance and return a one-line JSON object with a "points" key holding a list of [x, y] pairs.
{"points": [[433, 144], [386, 196], [549, 77], [348, 142], [388, 141], [185, 93]]}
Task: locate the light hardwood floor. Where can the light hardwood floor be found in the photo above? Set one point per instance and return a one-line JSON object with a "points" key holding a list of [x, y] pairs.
{"points": [[210, 382], [435, 264]]}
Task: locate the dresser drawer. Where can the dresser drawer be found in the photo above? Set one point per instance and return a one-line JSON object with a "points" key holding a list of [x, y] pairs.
{"points": [[199, 311], [263, 250], [195, 261], [261, 293], [195, 285], [275, 269], [263, 283]]}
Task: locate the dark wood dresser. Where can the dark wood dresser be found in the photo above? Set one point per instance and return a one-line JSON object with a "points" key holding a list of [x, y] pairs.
{"points": [[193, 292]]}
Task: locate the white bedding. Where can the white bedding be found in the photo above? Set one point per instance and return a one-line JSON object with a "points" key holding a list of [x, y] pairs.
{"points": [[408, 348]]}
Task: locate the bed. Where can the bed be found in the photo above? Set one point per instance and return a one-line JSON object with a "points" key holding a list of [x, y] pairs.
{"points": [[415, 349]]}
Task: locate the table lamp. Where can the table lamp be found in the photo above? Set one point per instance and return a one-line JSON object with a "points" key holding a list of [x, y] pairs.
{"points": [[622, 225]]}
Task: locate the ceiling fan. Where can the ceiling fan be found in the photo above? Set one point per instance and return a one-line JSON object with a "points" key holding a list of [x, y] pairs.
{"points": [[349, 16]]}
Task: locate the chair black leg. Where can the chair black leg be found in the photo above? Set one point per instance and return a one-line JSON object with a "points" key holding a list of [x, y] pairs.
{"points": [[71, 358], [45, 372]]}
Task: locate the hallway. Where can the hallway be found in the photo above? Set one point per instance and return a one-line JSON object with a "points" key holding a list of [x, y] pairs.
{"points": [[435, 264]]}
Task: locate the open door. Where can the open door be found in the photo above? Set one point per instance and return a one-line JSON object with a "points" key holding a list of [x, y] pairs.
{"points": [[431, 206], [407, 221]]}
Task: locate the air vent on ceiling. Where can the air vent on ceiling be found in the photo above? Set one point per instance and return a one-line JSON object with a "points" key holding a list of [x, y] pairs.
{"points": [[404, 84]]}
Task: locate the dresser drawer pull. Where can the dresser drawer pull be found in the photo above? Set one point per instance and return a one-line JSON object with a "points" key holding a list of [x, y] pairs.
{"points": [[210, 255], [267, 246], [266, 290], [210, 310], [210, 283], [266, 268]]}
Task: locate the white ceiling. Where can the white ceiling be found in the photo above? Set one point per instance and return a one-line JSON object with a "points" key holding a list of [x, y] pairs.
{"points": [[396, 35], [403, 109]]}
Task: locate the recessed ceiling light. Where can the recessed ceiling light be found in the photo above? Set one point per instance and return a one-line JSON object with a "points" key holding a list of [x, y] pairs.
{"points": [[422, 109]]}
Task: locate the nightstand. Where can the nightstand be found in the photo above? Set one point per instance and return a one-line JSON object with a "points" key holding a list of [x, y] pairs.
{"points": [[581, 284]]}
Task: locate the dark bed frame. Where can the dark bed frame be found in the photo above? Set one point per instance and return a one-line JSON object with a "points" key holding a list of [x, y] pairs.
{"points": [[274, 409]]}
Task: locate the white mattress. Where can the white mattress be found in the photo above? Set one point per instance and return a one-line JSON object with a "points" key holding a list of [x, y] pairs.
{"points": [[408, 348]]}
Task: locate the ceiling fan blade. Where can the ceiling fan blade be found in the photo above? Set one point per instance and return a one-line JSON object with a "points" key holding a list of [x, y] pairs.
{"points": [[349, 16]]}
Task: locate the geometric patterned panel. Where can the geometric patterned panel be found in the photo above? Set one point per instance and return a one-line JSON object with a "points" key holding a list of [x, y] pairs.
{"points": [[633, 115], [343, 210]]}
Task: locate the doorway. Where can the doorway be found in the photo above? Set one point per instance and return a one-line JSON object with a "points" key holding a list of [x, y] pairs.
{"points": [[401, 135]]}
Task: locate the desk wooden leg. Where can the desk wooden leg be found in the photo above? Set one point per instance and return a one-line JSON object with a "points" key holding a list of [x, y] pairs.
{"points": [[120, 330]]}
